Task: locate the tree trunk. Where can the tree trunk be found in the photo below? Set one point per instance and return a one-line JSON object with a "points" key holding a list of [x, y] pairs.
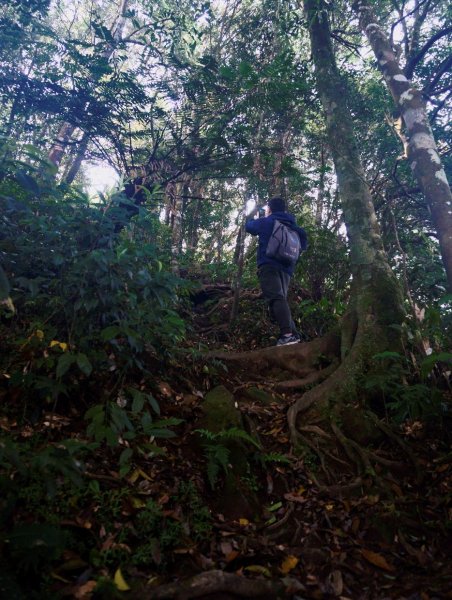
{"points": [[321, 190], [176, 231], [423, 155], [277, 184], [77, 162], [376, 306], [240, 263]]}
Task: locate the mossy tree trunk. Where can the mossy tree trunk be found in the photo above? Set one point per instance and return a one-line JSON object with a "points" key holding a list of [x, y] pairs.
{"points": [[375, 313], [423, 154]]}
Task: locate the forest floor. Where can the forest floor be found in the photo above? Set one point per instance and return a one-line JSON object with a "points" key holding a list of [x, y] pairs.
{"points": [[281, 534]]}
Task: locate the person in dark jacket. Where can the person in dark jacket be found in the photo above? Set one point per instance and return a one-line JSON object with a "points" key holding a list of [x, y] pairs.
{"points": [[274, 276]]}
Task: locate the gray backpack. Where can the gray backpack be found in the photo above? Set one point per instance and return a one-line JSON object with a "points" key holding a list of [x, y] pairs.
{"points": [[284, 244]]}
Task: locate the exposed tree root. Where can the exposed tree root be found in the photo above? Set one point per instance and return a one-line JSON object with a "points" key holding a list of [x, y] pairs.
{"points": [[297, 359], [393, 436], [312, 378], [215, 582], [339, 491]]}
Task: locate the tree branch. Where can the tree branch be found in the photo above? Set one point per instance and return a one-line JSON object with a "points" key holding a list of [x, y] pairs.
{"points": [[416, 59], [444, 67]]}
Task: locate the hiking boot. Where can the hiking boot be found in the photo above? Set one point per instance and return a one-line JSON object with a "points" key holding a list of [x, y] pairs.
{"points": [[287, 340]]}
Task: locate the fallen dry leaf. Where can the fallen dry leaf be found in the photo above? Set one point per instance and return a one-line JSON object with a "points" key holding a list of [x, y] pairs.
{"points": [[289, 563], [377, 559]]}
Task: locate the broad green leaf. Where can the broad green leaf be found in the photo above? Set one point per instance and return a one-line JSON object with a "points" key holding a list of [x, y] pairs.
{"points": [[429, 362], [154, 404], [138, 401], [125, 456], [64, 362], [110, 332], [83, 363]]}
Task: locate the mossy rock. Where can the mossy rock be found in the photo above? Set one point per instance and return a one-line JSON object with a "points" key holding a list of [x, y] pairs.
{"points": [[219, 410], [220, 414]]}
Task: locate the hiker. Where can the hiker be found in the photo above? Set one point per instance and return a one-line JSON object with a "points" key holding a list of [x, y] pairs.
{"points": [[273, 271]]}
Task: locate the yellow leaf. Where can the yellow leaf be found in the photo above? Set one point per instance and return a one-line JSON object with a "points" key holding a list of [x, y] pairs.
{"points": [[120, 582], [39, 334], [62, 345], [244, 522], [134, 476], [145, 475], [377, 559], [289, 563], [258, 569], [138, 502]]}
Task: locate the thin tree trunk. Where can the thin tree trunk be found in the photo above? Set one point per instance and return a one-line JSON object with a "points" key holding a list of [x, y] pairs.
{"points": [[176, 230], [423, 155], [56, 152], [239, 273], [77, 162], [277, 187]]}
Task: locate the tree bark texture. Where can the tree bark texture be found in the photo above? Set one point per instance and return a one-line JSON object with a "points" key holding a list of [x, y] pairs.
{"points": [[423, 155]]}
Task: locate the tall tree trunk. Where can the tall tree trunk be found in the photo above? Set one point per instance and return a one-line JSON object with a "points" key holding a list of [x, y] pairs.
{"points": [[321, 190], [77, 162], [240, 263], [57, 151], [176, 225], [277, 184], [376, 305], [423, 155]]}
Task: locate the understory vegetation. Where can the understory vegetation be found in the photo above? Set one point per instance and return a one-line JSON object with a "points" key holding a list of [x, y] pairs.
{"points": [[154, 443]]}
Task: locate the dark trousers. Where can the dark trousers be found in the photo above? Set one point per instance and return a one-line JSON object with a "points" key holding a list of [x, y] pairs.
{"points": [[274, 286]]}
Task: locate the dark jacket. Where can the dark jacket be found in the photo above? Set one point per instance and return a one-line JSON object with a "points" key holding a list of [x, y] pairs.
{"points": [[263, 228]]}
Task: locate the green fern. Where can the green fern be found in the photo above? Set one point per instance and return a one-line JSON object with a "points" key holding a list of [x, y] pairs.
{"points": [[217, 457], [231, 434], [216, 451], [274, 457]]}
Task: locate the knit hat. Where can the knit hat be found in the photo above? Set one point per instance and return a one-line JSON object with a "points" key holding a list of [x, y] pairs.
{"points": [[277, 204]]}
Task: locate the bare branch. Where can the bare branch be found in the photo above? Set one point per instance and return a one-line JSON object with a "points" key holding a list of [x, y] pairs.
{"points": [[415, 60]]}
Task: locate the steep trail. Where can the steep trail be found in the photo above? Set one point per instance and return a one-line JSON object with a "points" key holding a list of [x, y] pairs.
{"points": [[361, 514]]}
